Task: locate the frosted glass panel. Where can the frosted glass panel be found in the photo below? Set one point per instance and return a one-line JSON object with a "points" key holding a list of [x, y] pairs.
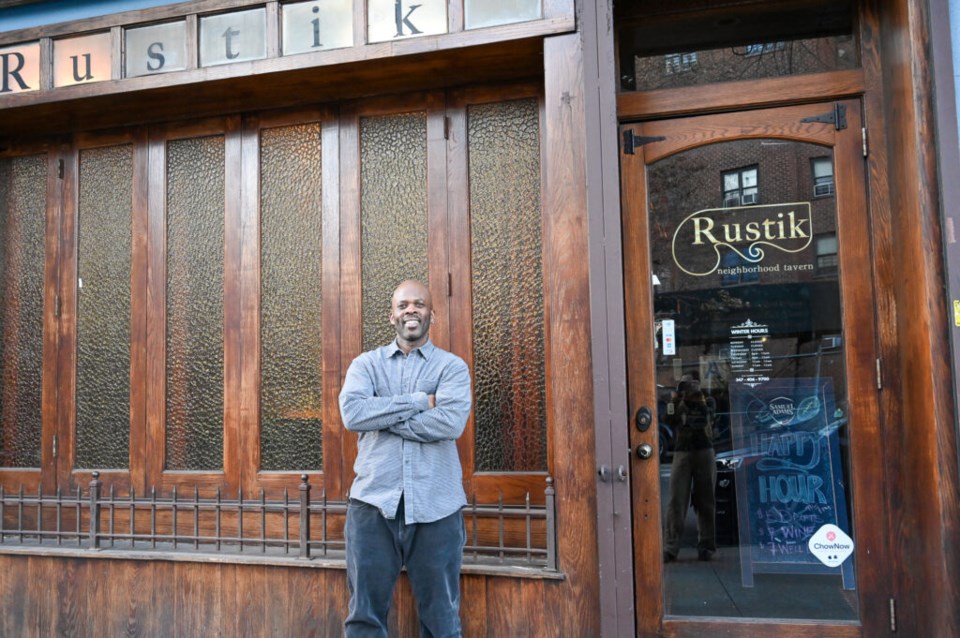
{"points": [[194, 402], [394, 214], [291, 238], [488, 13], [103, 308], [23, 188], [509, 377]]}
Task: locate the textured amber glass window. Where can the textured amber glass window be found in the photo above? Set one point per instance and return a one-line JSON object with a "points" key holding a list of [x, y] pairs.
{"points": [[23, 188], [394, 214], [194, 402], [103, 308], [508, 316], [291, 238]]}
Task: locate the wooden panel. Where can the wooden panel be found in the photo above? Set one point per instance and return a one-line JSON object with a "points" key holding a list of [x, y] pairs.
{"points": [[248, 306], [333, 434], [250, 602], [350, 306], [756, 629], [567, 297], [473, 605], [197, 605], [644, 477], [920, 439], [112, 597], [306, 592], [745, 94]]}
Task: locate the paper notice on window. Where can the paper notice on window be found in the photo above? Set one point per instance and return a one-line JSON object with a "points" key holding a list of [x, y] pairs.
{"points": [[668, 335]]}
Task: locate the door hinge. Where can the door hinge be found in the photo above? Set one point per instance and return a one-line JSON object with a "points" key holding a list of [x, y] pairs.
{"points": [[60, 169], [893, 615], [837, 117], [863, 136], [879, 376], [446, 128], [57, 306], [55, 452], [631, 141]]}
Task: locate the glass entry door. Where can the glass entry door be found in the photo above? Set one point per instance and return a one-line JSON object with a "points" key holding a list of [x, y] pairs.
{"points": [[753, 384]]}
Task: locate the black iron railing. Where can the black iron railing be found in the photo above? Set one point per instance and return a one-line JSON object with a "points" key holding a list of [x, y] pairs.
{"points": [[304, 527]]}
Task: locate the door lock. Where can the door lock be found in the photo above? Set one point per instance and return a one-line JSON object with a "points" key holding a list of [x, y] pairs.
{"points": [[644, 418], [644, 451]]}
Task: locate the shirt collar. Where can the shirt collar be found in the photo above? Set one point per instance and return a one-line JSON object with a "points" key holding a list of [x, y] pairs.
{"points": [[425, 350]]}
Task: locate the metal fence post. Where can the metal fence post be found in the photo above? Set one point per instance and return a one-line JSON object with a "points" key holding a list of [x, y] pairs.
{"points": [[304, 516], [551, 525], [95, 511]]}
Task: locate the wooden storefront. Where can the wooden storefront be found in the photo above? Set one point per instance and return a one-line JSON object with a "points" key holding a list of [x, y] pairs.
{"points": [[207, 204]]}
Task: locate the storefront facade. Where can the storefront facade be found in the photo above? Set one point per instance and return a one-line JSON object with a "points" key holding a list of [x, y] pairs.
{"points": [[207, 205]]}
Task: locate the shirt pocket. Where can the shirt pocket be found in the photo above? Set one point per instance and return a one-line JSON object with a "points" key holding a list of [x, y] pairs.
{"points": [[428, 385]]}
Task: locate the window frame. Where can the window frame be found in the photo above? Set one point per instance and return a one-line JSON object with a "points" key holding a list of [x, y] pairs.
{"points": [[725, 194]]}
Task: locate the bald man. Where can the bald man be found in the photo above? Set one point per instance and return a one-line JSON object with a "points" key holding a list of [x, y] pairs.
{"points": [[409, 402]]}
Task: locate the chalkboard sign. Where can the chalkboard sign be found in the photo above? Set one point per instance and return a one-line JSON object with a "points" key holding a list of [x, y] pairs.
{"points": [[790, 482]]}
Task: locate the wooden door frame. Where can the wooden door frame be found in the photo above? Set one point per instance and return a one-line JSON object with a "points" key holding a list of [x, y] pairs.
{"points": [[863, 395]]}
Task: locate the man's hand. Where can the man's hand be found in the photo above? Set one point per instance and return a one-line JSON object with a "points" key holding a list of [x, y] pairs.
{"points": [[432, 400]]}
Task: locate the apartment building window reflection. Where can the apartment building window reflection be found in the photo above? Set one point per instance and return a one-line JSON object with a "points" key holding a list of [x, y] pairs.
{"points": [[822, 170], [679, 62], [752, 50], [740, 187], [827, 262]]}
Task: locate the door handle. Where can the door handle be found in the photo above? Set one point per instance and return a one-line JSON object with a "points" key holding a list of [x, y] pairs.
{"points": [[644, 451], [644, 418]]}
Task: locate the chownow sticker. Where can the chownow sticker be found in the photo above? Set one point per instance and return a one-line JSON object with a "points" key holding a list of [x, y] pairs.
{"points": [[831, 545]]}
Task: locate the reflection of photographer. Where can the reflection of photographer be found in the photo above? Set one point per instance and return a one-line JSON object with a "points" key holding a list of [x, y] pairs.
{"points": [[694, 466]]}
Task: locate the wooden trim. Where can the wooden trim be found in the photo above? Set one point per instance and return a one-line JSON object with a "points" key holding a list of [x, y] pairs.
{"points": [[644, 477], [748, 124], [488, 487], [117, 58], [66, 325], [237, 212], [193, 42], [273, 34], [566, 282], [921, 439], [868, 477], [458, 240], [438, 262], [58, 201], [333, 434], [155, 309], [138, 311], [748, 94], [350, 297], [249, 306], [752, 628], [46, 64]]}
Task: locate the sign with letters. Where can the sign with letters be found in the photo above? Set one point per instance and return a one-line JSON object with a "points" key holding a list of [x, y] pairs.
{"points": [[389, 20], [317, 26], [790, 483], [750, 232], [233, 37], [159, 48], [20, 66], [241, 35], [82, 60]]}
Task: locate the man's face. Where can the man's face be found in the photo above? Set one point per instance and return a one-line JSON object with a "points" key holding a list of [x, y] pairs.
{"points": [[411, 311]]}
